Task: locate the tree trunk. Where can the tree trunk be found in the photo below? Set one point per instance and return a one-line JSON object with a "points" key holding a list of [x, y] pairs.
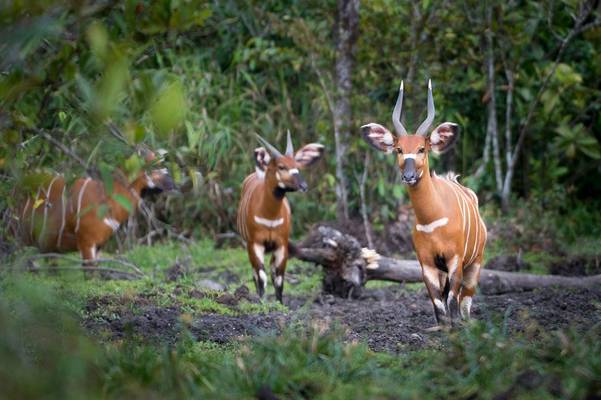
{"points": [[347, 32], [492, 125], [348, 266]]}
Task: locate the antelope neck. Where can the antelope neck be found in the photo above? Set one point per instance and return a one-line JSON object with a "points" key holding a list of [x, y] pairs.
{"points": [[270, 204], [426, 202], [131, 191]]}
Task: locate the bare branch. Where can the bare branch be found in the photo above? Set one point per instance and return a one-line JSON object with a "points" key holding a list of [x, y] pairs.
{"points": [[127, 264]]}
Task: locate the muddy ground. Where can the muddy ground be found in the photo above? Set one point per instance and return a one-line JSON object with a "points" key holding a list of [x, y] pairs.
{"points": [[390, 319]]}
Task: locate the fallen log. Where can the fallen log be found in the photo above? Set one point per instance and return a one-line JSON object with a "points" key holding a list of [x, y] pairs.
{"points": [[348, 267]]}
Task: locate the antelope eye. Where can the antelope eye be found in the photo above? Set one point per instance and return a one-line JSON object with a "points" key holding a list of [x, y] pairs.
{"points": [[281, 168], [399, 150], [421, 150]]}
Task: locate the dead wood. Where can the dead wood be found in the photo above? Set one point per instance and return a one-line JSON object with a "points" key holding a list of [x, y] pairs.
{"points": [[348, 267]]}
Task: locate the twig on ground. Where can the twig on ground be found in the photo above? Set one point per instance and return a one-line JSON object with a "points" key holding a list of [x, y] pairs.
{"points": [[97, 260]]}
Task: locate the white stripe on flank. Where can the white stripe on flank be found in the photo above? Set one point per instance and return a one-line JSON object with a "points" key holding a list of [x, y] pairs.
{"points": [[477, 237], [33, 207], [46, 204], [465, 212], [62, 228], [270, 223], [79, 199], [469, 223], [429, 228]]}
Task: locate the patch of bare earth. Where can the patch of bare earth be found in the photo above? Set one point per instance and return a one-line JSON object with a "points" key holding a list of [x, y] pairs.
{"points": [[387, 319]]}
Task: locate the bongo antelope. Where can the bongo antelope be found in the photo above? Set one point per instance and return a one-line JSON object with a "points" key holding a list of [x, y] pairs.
{"points": [[264, 213], [449, 235], [84, 216]]}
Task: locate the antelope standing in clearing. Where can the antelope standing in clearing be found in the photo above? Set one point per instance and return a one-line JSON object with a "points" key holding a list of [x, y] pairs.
{"points": [[264, 218], [84, 217], [449, 235]]}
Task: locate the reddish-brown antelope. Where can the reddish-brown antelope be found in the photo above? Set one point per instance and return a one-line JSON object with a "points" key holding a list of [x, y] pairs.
{"points": [[264, 213], [82, 218], [449, 235]]}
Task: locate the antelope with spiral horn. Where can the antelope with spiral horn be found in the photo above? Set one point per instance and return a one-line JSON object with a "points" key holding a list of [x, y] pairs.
{"points": [[84, 216], [264, 218], [449, 235]]}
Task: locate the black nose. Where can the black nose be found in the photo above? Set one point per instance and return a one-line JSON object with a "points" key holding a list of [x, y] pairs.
{"points": [[409, 171], [409, 175]]}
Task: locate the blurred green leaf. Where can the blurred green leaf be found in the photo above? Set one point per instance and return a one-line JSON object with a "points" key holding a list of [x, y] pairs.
{"points": [[169, 109]]}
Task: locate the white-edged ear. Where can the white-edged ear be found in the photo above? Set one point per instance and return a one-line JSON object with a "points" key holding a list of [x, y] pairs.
{"points": [[262, 158], [444, 137], [309, 154], [378, 137]]}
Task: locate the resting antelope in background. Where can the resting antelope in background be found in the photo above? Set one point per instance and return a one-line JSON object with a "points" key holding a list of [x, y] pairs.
{"points": [[85, 216], [449, 235], [264, 213]]}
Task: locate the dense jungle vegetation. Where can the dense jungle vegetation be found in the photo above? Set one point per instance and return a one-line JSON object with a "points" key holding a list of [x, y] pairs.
{"points": [[82, 82]]}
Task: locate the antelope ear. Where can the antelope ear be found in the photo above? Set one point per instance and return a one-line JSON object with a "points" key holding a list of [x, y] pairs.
{"points": [[309, 154], [262, 158], [378, 137], [444, 137]]}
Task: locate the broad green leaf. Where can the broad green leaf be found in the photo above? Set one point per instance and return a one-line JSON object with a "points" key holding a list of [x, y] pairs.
{"points": [[123, 201]]}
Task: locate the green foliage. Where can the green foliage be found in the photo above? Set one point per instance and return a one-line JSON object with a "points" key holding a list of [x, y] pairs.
{"points": [[46, 355], [201, 78]]}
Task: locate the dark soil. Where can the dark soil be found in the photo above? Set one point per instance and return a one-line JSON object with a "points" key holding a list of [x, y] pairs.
{"points": [[577, 266], [388, 319]]}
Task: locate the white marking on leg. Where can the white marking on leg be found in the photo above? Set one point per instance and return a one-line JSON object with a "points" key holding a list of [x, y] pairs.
{"points": [[429, 228], [259, 251], [270, 223], [452, 265], [465, 308], [111, 223], [470, 279], [263, 278], [451, 297], [93, 251], [279, 280], [79, 199], [279, 254], [431, 275], [63, 220], [440, 306]]}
